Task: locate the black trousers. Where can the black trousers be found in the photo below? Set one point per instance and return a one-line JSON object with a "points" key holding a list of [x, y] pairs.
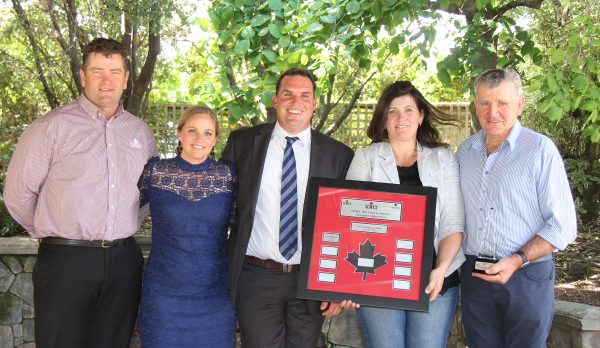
{"points": [[269, 313], [86, 297]]}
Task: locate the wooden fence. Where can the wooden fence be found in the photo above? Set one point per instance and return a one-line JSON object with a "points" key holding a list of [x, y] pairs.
{"points": [[352, 132]]}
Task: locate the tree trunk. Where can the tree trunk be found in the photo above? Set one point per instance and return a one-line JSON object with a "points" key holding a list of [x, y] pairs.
{"points": [[52, 100], [142, 83]]}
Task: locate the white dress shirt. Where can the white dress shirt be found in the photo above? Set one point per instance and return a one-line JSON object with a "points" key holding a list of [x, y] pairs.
{"points": [[264, 240]]}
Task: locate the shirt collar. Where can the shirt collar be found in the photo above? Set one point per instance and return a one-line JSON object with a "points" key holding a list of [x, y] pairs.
{"points": [[279, 133], [510, 141], [92, 110]]}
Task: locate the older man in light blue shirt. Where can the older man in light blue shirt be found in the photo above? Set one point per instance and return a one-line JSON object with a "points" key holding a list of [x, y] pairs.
{"points": [[519, 209]]}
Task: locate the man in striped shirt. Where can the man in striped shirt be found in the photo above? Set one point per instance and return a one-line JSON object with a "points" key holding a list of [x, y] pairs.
{"points": [[519, 209], [72, 184]]}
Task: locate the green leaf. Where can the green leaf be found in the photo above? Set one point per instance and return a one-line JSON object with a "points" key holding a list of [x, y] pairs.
{"points": [[259, 20], [263, 32], [593, 117], [444, 4], [522, 35], [275, 30], [353, 7], [266, 98], [303, 59], [480, 4], [364, 63], [314, 27], [255, 59], [574, 40], [443, 76], [527, 47], [248, 33], [394, 49], [557, 56], [551, 83], [503, 62], [581, 83], [589, 105], [275, 5], [554, 113], [595, 136], [294, 57], [330, 18], [242, 47], [236, 111], [284, 41], [543, 107], [534, 85], [270, 55]]}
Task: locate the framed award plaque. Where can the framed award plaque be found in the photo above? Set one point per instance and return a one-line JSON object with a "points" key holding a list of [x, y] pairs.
{"points": [[371, 243]]}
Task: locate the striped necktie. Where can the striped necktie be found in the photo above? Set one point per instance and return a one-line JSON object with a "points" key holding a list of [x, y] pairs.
{"points": [[288, 221]]}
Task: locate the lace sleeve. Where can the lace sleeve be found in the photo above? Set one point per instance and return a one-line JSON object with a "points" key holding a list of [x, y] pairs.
{"points": [[146, 180]]}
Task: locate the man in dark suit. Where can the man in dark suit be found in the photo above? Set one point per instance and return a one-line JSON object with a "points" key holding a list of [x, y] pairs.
{"points": [[274, 163]]}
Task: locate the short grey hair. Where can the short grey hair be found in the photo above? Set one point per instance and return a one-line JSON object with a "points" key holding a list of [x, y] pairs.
{"points": [[494, 77]]}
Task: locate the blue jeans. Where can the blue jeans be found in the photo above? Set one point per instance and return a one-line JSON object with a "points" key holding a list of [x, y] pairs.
{"points": [[387, 328]]}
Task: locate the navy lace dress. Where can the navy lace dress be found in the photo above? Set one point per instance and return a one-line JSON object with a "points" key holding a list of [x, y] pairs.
{"points": [[185, 296]]}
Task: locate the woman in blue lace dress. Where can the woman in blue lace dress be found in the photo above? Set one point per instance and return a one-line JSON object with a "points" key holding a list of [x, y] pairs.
{"points": [[185, 299]]}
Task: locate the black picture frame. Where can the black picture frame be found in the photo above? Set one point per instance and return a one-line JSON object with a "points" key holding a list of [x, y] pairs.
{"points": [[320, 245]]}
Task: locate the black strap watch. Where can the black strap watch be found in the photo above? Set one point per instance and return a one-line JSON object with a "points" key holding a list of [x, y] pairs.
{"points": [[523, 258]]}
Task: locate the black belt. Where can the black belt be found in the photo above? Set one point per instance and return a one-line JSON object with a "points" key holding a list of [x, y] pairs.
{"points": [[86, 243], [271, 264]]}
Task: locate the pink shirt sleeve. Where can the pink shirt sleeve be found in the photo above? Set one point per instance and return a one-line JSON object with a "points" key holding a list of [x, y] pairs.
{"points": [[27, 172]]}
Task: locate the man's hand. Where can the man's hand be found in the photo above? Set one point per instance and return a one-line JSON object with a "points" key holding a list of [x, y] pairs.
{"points": [[331, 309], [501, 271]]}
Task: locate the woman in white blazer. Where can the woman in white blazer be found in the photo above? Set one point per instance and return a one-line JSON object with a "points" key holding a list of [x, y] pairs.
{"points": [[406, 150]]}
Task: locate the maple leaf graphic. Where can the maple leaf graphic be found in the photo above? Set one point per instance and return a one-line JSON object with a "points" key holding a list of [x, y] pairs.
{"points": [[365, 262]]}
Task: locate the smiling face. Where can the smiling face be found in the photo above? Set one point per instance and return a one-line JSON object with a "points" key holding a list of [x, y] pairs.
{"points": [[198, 136], [104, 80], [403, 119], [498, 109], [295, 103]]}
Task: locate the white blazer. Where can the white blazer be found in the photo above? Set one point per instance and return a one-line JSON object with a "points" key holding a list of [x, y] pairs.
{"points": [[437, 168]]}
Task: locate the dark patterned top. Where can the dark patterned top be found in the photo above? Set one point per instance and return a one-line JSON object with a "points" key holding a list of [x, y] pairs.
{"points": [[185, 280]]}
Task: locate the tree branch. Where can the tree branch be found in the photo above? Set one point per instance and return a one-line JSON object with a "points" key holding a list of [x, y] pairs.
{"points": [[348, 109]]}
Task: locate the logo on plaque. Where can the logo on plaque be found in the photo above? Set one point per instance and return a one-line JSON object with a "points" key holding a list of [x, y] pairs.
{"points": [[366, 261]]}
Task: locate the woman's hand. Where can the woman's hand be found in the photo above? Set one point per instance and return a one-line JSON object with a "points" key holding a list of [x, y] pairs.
{"points": [[436, 282]]}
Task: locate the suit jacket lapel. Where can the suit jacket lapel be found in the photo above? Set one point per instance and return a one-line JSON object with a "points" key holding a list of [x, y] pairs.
{"points": [[316, 153], [422, 154], [259, 153], [387, 162]]}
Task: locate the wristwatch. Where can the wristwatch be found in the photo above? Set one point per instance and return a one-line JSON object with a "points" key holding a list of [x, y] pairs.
{"points": [[523, 258]]}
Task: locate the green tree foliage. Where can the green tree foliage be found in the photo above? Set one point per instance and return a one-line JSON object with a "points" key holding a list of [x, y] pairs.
{"points": [[335, 39], [565, 86], [46, 38]]}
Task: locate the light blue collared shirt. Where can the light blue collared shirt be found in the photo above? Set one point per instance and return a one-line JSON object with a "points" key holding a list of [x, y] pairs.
{"points": [[517, 192]]}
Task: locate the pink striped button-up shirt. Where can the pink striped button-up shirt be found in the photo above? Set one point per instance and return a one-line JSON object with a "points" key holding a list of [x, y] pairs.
{"points": [[74, 174]]}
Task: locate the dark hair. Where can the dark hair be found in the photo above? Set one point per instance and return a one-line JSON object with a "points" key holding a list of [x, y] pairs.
{"points": [[196, 110], [494, 77], [106, 47], [427, 135], [297, 72]]}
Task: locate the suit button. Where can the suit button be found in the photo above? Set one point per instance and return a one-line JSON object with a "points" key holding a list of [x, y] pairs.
{"points": [[243, 243]]}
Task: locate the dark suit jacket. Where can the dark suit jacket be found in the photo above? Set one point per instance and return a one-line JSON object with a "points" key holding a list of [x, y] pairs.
{"points": [[247, 148]]}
